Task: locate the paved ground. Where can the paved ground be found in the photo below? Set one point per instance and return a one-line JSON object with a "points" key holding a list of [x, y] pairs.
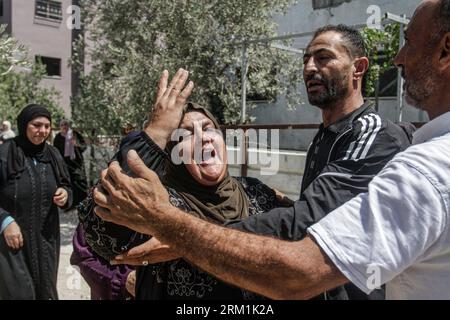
{"points": [[71, 285]]}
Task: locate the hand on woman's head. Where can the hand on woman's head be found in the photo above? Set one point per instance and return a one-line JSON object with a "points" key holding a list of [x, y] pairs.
{"points": [[168, 108]]}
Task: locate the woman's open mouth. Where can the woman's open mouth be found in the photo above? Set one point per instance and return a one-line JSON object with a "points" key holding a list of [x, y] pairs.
{"points": [[208, 156]]}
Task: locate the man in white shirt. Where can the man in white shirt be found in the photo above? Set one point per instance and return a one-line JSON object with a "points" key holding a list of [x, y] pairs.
{"points": [[396, 234]]}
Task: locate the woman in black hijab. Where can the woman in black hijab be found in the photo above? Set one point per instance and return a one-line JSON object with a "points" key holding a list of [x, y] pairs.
{"points": [[33, 183]]}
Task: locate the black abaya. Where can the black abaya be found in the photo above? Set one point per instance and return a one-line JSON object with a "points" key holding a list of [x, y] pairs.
{"points": [[75, 166], [31, 272]]}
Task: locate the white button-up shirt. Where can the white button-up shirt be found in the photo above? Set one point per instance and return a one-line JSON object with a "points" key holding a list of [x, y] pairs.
{"points": [[398, 233]]}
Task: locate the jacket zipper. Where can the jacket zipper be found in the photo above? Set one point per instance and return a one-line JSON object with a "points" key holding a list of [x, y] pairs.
{"points": [[334, 144], [15, 195]]}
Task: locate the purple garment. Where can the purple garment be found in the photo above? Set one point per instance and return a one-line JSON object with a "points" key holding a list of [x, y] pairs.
{"points": [[107, 282]]}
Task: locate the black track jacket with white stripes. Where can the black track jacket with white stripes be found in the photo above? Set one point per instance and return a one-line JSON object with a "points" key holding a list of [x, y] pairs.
{"points": [[342, 160]]}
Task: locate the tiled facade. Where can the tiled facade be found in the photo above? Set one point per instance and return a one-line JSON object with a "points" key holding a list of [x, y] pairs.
{"points": [[41, 25]]}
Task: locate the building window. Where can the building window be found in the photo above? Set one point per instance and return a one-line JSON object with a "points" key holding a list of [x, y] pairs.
{"points": [[1, 8], [48, 9], [52, 65], [322, 4]]}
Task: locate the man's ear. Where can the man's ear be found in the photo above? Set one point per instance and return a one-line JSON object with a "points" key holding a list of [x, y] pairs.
{"points": [[444, 47], [361, 65]]}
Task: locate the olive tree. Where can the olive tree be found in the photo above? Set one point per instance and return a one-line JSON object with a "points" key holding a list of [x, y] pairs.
{"points": [[131, 42]]}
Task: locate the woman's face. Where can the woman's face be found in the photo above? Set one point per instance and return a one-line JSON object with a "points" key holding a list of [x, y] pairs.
{"points": [[64, 127], [207, 159], [38, 130]]}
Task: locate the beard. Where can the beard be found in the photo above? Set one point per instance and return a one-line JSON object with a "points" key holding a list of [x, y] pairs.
{"points": [[421, 85], [335, 89]]}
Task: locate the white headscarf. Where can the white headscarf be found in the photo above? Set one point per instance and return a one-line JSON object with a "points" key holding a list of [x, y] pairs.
{"points": [[8, 133]]}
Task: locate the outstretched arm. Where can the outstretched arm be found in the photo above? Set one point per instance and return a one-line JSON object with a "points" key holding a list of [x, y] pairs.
{"points": [[271, 267]]}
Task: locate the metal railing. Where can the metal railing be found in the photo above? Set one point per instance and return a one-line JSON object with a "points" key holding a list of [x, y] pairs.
{"points": [[246, 127], [109, 142]]}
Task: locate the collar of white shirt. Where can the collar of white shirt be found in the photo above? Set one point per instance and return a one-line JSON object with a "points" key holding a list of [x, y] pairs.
{"points": [[433, 129]]}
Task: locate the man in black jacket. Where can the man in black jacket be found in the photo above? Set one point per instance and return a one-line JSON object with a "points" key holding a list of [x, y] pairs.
{"points": [[353, 144]]}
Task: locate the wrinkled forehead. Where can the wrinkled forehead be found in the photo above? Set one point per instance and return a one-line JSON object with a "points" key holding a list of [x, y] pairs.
{"points": [[192, 117], [329, 41]]}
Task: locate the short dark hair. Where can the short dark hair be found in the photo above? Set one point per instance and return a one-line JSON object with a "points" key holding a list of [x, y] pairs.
{"points": [[443, 18], [354, 41]]}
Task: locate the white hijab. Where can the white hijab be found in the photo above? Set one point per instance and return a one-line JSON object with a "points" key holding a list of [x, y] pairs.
{"points": [[8, 133]]}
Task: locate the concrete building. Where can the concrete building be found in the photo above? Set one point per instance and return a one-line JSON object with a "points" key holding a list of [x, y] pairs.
{"points": [[41, 26]]}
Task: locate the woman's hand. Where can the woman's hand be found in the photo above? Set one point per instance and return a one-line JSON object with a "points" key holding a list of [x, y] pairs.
{"points": [[282, 199], [60, 197], [130, 284], [13, 236], [149, 252], [168, 108]]}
